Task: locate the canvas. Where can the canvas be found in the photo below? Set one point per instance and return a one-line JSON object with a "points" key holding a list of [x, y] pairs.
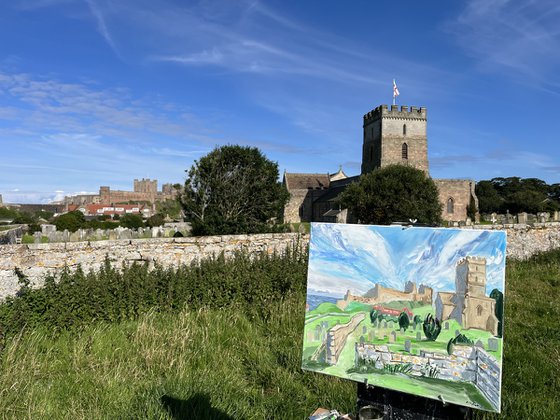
{"points": [[413, 309]]}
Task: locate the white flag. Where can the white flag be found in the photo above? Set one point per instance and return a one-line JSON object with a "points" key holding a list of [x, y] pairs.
{"points": [[395, 89]]}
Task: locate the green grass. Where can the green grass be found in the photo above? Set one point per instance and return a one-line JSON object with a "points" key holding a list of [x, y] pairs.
{"points": [[214, 362]]}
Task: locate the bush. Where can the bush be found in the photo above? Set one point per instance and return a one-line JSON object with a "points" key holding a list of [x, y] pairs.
{"points": [[404, 320], [432, 327], [71, 221], [155, 221], [131, 221], [373, 315], [71, 300]]}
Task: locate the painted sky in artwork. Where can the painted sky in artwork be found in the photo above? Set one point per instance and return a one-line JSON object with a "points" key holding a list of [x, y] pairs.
{"points": [[355, 257]]}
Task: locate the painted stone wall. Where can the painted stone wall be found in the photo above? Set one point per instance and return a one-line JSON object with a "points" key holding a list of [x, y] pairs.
{"points": [[38, 260], [336, 337]]}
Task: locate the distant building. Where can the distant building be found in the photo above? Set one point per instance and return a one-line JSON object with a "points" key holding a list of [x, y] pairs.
{"points": [[469, 305], [145, 191], [109, 210], [381, 294]]}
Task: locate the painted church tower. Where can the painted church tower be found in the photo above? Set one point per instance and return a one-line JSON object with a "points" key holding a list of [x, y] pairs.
{"points": [[393, 136]]}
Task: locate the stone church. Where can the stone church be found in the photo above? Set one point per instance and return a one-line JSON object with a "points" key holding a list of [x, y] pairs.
{"points": [[391, 136], [469, 305]]}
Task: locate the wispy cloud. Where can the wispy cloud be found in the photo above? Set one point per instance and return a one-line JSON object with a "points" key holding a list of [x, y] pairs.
{"points": [[522, 37], [102, 26]]}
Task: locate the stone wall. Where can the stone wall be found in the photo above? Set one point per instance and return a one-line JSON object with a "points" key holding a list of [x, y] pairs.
{"points": [[460, 191], [11, 236], [466, 363], [38, 260], [336, 337]]}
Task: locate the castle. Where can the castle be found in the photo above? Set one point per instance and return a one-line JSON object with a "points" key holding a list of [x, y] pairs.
{"points": [[145, 190], [390, 136], [381, 294], [469, 305]]}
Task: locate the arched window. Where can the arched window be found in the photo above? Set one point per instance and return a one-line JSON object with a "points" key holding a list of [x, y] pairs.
{"points": [[450, 205], [405, 151], [404, 130], [479, 310]]}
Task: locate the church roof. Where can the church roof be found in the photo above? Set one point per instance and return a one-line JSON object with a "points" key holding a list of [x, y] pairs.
{"points": [[446, 297], [306, 181]]}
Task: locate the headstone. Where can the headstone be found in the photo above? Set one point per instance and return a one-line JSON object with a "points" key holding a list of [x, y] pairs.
{"points": [[37, 237], [556, 216], [375, 324], [468, 222], [522, 218], [392, 337], [418, 336], [402, 330], [446, 325], [407, 346], [479, 344], [371, 336], [362, 340], [414, 326], [390, 324], [75, 236], [47, 229], [493, 344], [364, 329], [457, 333], [384, 324]]}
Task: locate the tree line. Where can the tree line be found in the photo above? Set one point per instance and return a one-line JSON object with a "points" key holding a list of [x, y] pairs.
{"points": [[517, 195]]}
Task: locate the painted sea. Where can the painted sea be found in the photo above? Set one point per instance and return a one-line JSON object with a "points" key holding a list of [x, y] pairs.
{"points": [[315, 300]]}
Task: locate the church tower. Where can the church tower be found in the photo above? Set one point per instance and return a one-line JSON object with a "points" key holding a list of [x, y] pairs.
{"points": [[393, 136]]}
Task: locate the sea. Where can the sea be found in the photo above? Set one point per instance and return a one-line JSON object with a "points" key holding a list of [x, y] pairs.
{"points": [[315, 300]]}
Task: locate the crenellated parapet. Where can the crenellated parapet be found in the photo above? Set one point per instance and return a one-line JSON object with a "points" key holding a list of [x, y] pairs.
{"points": [[405, 113], [472, 259]]}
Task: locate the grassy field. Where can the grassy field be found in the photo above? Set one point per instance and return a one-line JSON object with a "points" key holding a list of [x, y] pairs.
{"points": [[227, 363]]}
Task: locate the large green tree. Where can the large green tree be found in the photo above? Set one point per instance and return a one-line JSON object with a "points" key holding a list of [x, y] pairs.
{"points": [[395, 193], [233, 189]]}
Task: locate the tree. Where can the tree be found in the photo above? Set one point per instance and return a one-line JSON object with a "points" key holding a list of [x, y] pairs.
{"points": [[131, 221], [431, 327], [72, 221], [404, 320], [373, 315], [233, 189], [489, 200], [391, 194], [155, 220]]}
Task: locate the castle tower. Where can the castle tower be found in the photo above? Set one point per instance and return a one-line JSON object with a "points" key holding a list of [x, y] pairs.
{"points": [[471, 276], [393, 136]]}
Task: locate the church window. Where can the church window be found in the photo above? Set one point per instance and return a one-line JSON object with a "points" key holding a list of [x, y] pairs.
{"points": [[479, 310], [450, 205], [405, 151], [404, 130]]}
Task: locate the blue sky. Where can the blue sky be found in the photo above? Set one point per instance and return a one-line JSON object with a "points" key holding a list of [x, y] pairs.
{"points": [[99, 92], [356, 257]]}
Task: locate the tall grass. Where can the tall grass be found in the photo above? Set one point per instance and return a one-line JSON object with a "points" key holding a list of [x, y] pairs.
{"points": [[224, 341]]}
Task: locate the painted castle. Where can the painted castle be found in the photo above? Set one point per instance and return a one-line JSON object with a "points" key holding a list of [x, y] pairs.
{"points": [[381, 294]]}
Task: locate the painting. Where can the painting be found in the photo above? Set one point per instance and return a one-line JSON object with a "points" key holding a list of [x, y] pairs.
{"points": [[412, 309]]}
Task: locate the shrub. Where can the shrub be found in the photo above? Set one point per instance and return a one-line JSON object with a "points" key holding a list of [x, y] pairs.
{"points": [[373, 315], [432, 327], [404, 320]]}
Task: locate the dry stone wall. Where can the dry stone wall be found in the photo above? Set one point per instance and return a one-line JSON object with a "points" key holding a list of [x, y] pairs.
{"points": [[336, 337], [38, 260]]}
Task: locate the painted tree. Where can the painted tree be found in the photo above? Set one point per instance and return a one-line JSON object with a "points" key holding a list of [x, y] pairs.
{"points": [[499, 309], [404, 320], [431, 327]]}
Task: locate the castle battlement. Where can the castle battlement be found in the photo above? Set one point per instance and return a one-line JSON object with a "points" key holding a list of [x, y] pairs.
{"points": [[469, 259], [383, 111]]}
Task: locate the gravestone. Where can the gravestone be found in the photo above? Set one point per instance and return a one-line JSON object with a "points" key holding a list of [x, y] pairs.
{"points": [[457, 333], [418, 336], [37, 237], [371, 335], [390, 324], [493, 344], [364, 329], [375, 324], [384, 324], [47, 229], [402, 330], [522, 218], [362, 340], [556, 216], [446, 325], [392, 337], [407, 346]]}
